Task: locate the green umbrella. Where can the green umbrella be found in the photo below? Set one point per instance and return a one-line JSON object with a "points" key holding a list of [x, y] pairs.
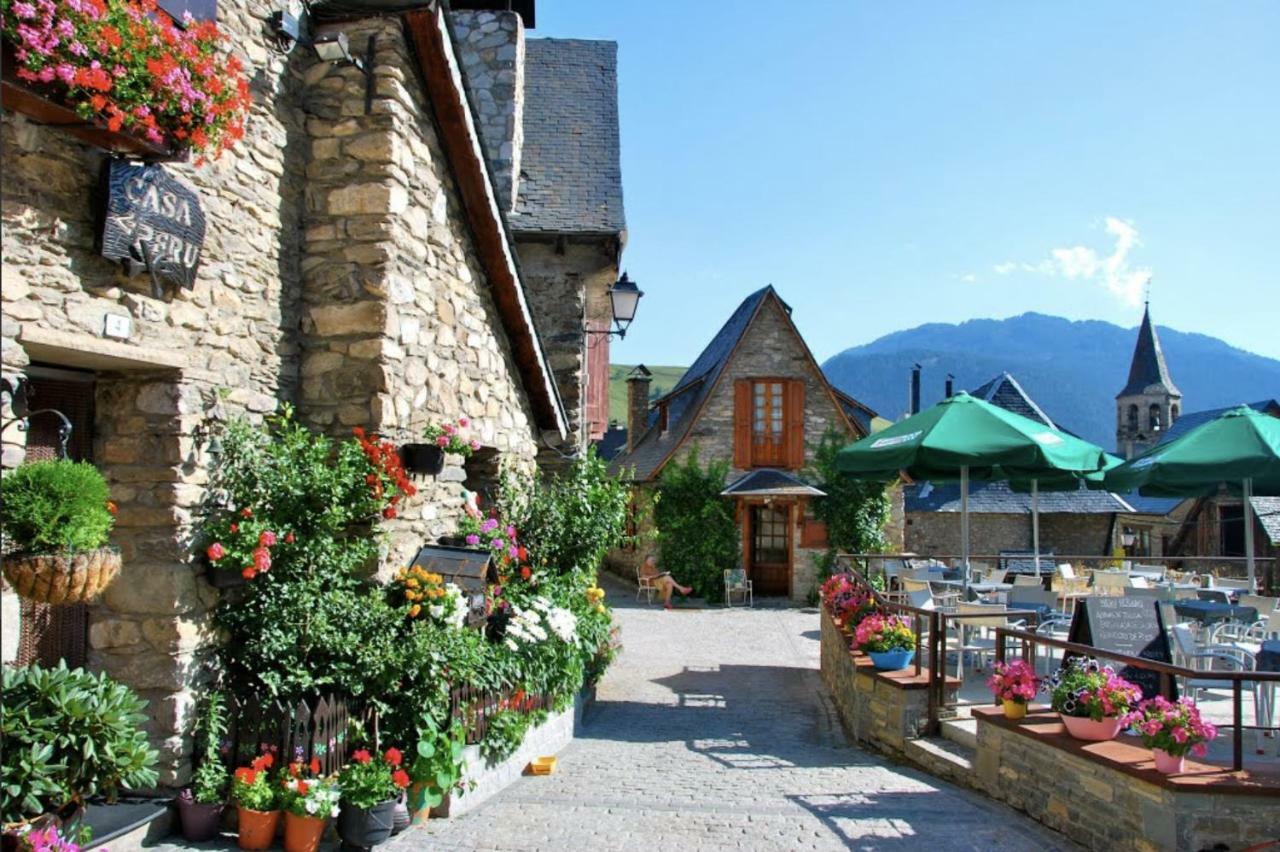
{"points": [[962, 438], [1239, 448]]}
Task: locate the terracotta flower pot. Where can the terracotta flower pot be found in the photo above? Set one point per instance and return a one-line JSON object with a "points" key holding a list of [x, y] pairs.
{"points": [[1084, 728], [1167, 763], [418, 808], [258, 828], [200, 822], [1014, 709], [303, 833], [366, 827]]}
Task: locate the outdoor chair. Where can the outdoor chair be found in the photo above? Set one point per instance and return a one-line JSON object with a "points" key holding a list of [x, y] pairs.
{"points": [[1261, 603], [1027, 581], [975, 636], [644, 586], [1186, 595], [1232, 585], [1138, 582], [736, 583], [1215, 595], [1214, 657], [1110, 582], [1068, 586], [995, 575], [1248, 636], [1150, 572]]}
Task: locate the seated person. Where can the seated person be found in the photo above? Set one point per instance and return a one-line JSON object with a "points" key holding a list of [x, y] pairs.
{"points": [[662, 580]]}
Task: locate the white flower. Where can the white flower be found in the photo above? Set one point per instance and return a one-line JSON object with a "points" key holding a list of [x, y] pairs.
{"points": [[511, 644], [312, 804], [333, 812], [563, 623], [436, 610]]}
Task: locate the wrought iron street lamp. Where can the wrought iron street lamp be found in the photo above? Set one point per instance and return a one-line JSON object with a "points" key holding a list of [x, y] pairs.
{"points": [[624, 297]]}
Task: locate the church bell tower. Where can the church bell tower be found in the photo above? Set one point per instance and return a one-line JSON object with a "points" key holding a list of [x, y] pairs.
{"points": [[1150, 401]]}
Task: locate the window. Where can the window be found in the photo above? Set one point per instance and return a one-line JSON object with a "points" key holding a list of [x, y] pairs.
{"points": [[1154, 417], [1174, 414], [1133, 417], [768, 423], [767, 448]]}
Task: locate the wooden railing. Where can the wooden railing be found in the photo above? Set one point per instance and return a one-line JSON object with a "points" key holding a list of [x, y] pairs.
{"points": [[1166, 671], [297, 732], [473, 707]]}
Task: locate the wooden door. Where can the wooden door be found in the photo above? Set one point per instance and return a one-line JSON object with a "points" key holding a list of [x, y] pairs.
{"points": [[769, 549]]}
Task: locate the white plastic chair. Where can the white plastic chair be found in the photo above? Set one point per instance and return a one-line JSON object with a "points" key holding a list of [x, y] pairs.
{"points": [[736, 583], [644, 586], [972, 639], [1213, 657]]}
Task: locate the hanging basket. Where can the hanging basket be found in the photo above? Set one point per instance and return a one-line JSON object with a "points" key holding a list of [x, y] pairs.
{"points": [[55, 578], [422, 458]]}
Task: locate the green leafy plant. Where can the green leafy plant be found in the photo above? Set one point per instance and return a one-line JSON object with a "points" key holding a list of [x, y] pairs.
{"points": [[209, 783], [68, 735], [56, 506], [854, 512], [368, 780], [505, 732], [252, 786], [697, 531], [437, 761]]}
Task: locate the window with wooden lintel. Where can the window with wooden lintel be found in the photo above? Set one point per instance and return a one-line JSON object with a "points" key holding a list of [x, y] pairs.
{"points": [[769, 423]]}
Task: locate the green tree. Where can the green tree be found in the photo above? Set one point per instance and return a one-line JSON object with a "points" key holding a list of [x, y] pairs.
{"points": [[696, 527], [854, 511]]}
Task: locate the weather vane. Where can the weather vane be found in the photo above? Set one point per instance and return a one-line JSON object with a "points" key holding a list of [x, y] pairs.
{"points": [[1147, 300]]}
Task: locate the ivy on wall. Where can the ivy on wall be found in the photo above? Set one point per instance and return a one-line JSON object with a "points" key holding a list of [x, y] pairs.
{"points": [[697, 531], [854, 511]]}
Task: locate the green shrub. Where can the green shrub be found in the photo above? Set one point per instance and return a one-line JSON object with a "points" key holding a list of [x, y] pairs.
{"points": [[855, 512], [209, 783], [56, 506], [696, 528], [68, 735]]}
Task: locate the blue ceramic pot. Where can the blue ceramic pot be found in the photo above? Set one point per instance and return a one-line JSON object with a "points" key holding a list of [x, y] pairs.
{"points": [[892, 661]]}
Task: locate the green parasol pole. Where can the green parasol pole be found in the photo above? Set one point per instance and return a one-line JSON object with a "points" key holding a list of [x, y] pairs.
{"points": [[964, 526], [1035, 523], [1247, 491]]}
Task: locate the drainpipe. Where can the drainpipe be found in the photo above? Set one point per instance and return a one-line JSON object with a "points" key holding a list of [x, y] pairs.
{"points": [[915, 390]]}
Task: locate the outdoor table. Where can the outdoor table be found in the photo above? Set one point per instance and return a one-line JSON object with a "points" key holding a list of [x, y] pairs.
{"points": [[1042, 611], [1211, 612]]}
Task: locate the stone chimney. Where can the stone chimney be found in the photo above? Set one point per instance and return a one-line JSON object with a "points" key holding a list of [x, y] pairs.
{"points": [[490, 47], [915, 390], [637, 403], [951, 386]]}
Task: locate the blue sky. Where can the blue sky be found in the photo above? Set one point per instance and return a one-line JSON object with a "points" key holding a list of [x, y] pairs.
{"points": [[887, 164]]}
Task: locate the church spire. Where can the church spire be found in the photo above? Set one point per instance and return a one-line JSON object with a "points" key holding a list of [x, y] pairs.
{"points": [[1148, 373]]}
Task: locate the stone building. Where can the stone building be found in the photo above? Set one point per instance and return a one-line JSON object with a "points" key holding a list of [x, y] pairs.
{"points": [[1072, 523], [1150, 403], [754, 398], [360, 262]]}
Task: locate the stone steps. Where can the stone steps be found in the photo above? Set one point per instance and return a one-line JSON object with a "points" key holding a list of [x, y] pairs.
{"points": [[962, 731], [942, 758], [130, 826]]}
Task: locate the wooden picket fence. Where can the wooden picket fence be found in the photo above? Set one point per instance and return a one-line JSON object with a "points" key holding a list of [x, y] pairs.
{"points": [[293, 733], [473, 707]]}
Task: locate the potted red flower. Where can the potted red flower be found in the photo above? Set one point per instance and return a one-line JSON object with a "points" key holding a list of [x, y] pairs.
{"points": [[441, 438], [255, 798], [1171, 729], [370, 786], [308, 801], [1092, 699]]}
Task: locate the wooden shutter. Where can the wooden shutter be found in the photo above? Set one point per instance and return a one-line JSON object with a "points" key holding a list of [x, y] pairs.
{"points": [[742, 423], [794, 419]]}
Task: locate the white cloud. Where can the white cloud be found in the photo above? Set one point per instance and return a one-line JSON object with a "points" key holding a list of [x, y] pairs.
{"points": [[968, 278], [1083, 263]]}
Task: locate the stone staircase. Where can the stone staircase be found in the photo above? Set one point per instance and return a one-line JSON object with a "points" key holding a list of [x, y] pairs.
{"points": [[949, 756]]}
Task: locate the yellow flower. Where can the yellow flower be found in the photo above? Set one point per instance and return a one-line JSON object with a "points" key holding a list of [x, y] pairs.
{"points": [[411, 583], [414, 610]]}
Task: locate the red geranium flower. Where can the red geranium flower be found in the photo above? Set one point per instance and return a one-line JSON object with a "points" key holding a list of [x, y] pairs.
{"points": [[302, 787], [315, 766], [246, 512], [393, 756], [267, 538], [249, 572], [215, 552], [525, 573], [361, 756], [289, 539], [400, 778], [245, 775]]}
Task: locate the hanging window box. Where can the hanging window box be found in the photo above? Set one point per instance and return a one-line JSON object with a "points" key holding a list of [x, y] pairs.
{"points": [[119, 74]]}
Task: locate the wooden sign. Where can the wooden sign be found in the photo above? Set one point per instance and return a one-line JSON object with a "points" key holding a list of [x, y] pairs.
{"points": [[151, 223], [1129, 626]]}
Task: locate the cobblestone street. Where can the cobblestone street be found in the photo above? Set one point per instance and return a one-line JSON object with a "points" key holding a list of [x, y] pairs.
{"points": [[713, 731]]}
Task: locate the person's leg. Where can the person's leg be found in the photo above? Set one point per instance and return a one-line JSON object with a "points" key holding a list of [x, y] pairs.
{"points": [[684, 590], [666, 585]]}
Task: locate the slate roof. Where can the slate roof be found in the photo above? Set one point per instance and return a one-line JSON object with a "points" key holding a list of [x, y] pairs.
{"points": [[1000, 498], [768, 481], [856, 411], [1005, 392], [612, 442], [570, 173], [1192, 419], [1152, 505], [686, 398], [1268, 512], [1148, 368]]}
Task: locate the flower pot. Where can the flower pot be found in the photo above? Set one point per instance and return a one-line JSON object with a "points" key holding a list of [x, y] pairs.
{"points": [[1084, 728], [892, 661], [422, 458], [200, 822], [419, 810], [257, 828], [55, 578], [1167, 763], [1014, 709], [400, 817], [303, 833], [365, 827]]}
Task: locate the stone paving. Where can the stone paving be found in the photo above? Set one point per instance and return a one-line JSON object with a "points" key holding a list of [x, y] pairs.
{"points": [[713, 731]]}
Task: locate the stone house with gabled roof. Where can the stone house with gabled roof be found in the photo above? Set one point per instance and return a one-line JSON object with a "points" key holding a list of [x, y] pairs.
{"points": [[756, 399]]}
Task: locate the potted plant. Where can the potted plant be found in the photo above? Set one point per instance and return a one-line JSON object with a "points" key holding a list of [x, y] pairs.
{"points": [[308, 802], [887, 640], [441, 438], [1014, 684], [68, 735], [369, 789], [1092, 699], [256, 801], [1171, 729], [436, 766], [200, 806], [57, 518]]}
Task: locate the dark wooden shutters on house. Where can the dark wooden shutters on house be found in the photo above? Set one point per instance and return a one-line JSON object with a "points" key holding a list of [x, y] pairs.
{"points": [[794, 432], [742, 423], [768, 423]]}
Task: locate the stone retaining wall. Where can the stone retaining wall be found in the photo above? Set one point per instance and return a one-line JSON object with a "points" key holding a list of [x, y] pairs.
{"points": [[1107, 796], [878, 709]]}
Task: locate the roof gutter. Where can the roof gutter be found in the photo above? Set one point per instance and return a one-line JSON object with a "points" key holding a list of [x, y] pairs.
{"points": [[429, 35]]}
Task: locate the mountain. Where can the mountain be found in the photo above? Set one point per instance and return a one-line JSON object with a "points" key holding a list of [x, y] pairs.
{"points": [[664, 379], [1072, 369]]}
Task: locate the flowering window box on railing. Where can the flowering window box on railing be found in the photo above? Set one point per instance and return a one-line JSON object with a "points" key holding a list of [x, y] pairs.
{"points": [[22, 97]]}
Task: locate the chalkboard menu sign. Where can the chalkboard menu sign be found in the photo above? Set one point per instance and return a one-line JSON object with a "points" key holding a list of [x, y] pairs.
{"points": [[1129, 626], [151, 223]]}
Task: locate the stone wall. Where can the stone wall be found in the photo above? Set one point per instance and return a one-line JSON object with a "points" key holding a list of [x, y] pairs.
{"points": [[491, 50], [358, 298], [1101, 806], [400, 329], [990, 533]]}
